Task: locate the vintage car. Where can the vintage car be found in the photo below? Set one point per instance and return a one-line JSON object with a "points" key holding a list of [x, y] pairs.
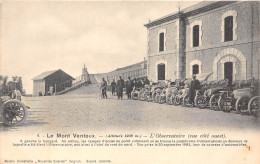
{"points": [[182, 96], [244, 103], [135, 93], [228, 98], [209, 94], [12, 111], [144, 93], [156, 91], [156, 94], [179, 86], [167, 93]]}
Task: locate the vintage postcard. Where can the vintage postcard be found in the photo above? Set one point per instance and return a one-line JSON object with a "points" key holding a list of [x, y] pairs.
{"points": [[129, 82]]}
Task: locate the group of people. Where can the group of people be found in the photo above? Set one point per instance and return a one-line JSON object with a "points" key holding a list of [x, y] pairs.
{"points": [[129, 84], [117, 87]]}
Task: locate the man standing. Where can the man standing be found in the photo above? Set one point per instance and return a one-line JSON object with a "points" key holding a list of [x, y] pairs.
{"points": [[104, 88], [139, 84], [113, 87], [128, 86], [194, 85], [120, 85], [146, 81]]}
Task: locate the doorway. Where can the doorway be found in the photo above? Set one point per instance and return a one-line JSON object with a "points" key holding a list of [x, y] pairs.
{"points": [[161, 71], [228, 72]]}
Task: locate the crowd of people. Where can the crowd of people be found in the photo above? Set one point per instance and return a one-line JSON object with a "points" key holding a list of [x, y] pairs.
{"points": [[130, 84], [117, 87]]}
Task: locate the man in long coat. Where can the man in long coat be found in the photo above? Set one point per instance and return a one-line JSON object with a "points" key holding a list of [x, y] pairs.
{"points": [[120, 85], [129, 87], [194, 85], [113, 87]]}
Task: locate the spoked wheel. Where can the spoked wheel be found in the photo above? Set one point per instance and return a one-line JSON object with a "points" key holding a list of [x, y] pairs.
{"points": [[177, 100], [242, 105], [224, 105], [162, 99], [154, 96], [254, 105], [13, 112], [201, 102], [157, 98], [149, 98], [213, 102], [142, 97], [185, 101], [135, 96], [168, 100]]}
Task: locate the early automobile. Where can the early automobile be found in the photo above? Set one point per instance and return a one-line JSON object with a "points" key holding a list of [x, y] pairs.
{"points": [[156, 93], [209, 94], [167, 92], [228, 98], [244, 103], [135, 93], [12, 111], [183, 94], [201, 99]]}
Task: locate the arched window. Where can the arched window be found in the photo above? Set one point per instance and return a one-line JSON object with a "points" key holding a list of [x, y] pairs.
{"points": [[196, 35], [228, 28], [161, 41]]}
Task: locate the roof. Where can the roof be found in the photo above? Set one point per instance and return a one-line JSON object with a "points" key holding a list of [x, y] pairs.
{"points": [[136, 65], [46, 74], [192, 10]]}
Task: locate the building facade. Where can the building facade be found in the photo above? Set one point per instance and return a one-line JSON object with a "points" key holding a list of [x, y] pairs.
{"points": [[138, 70], [49, 82], [219, 37]]}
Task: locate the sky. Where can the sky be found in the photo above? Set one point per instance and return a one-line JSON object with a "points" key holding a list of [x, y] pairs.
{"points": [[39, 36]]}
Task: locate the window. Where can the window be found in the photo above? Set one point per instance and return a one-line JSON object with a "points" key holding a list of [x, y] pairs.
{"points": [[195, 69], [161, 42], [161, 71], [196, 35], [228, 28]]}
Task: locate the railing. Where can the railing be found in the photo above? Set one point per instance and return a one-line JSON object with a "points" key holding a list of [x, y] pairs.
{"points": [[79, 80]]}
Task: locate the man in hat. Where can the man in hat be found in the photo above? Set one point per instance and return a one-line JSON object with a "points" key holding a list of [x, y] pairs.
{"points": [[120, 85], [146, 81], [194, 85]]}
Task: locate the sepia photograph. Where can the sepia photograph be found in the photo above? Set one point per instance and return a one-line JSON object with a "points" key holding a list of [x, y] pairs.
{"points": [[129, 82]]}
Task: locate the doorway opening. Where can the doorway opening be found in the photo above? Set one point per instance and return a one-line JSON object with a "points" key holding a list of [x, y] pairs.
{"points": [[228, 72], [161, 71]]}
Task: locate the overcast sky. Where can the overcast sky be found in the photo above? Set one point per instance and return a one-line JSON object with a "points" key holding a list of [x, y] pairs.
{"points": [[44, 36]]}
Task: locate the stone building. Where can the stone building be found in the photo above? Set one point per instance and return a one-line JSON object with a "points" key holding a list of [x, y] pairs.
{"points": [[216, 36], [138, 70]]}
